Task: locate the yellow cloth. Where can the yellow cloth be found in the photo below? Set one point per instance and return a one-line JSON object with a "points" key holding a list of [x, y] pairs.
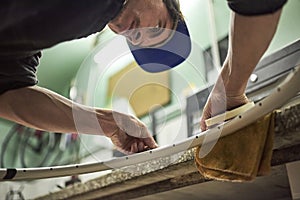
{"points": [[240, 156]]}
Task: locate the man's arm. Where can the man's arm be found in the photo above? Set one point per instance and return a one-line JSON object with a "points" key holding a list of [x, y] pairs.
{"points": [[42, 109], [249, 38]]}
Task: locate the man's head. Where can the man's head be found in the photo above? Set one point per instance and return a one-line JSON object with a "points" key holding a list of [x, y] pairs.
{"points": [[156, 33], [146, 22]]}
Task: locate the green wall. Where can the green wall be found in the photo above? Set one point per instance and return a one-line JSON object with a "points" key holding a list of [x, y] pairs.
{"points": [[59, 64], [288, 27]]}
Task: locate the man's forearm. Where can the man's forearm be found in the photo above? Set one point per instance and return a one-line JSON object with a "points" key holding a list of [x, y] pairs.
{"points": [[250, 37], [42, 109]]}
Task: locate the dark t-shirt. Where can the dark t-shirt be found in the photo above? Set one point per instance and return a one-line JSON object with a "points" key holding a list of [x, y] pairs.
{"points": [[28, 26]]}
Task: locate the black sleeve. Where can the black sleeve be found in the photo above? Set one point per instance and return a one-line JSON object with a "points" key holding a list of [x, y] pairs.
{"points": [[31, 25], [255, 7], [18, 72]]}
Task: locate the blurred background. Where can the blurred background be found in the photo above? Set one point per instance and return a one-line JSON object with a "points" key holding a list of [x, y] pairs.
{"points": [[73, 70]]}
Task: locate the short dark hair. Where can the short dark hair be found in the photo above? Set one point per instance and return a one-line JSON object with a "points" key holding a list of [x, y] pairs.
{"points": [[173, 7]]}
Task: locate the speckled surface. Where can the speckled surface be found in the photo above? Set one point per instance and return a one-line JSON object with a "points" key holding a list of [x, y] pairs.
{"points": [[121, 175], [287, 127]]}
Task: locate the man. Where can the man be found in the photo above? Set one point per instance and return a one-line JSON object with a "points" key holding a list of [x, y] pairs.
{"points": [[28, 26]]}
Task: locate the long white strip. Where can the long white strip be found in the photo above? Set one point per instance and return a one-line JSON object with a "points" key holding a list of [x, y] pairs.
{"points": [[285, 91], [229, 114]]}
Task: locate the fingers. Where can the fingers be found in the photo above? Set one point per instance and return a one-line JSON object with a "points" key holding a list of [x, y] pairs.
{"points": [[128, 144], [205, 115], [144, 144], [218, 105], [134, 147], [139, 145], [150, 142]]}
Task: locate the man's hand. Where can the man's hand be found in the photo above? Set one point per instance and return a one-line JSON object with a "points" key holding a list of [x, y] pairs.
{"points": [[219, 103], [130, 135], [128, 144]]}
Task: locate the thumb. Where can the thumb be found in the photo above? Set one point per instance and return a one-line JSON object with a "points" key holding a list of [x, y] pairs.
{"points": [[205, 115], [203, 126]]}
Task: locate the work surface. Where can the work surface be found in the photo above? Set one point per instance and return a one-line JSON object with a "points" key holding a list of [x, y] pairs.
{"points": [[178, 171]]}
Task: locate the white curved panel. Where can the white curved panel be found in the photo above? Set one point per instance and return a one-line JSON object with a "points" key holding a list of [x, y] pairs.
{"points": [[285, 91]]}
